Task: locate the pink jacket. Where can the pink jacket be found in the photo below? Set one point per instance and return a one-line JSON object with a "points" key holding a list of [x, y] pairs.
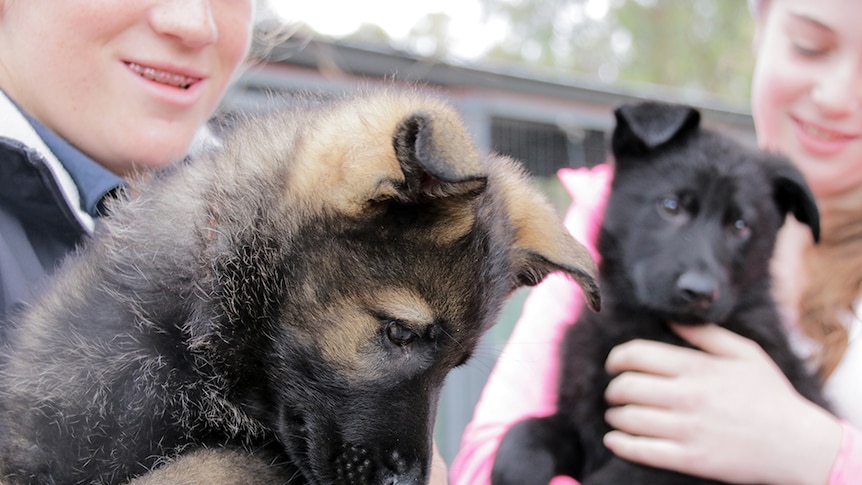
{"points": [[524, 379]]}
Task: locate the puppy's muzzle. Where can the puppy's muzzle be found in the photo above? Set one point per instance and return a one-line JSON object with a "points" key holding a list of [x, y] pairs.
{"points": [[697, 289]]}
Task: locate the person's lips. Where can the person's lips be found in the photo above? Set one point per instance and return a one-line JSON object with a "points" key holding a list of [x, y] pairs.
{"points": [[823, 133], [821, 139], [164, 76]]}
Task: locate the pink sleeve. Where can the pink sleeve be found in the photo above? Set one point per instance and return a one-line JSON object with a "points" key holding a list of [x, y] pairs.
{"points": [[847, 469], [524, 379]]}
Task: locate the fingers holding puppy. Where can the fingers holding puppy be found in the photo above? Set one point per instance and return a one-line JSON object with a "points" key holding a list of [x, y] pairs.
{"points": [[670, 360], [720, 410]]}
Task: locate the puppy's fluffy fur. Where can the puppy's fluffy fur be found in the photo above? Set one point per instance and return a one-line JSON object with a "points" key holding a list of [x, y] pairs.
{"points": [[687, 237], [291, 301]]}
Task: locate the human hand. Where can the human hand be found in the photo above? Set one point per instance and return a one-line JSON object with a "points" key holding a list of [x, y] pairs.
{"points": [[439, 470], [725, 412]]}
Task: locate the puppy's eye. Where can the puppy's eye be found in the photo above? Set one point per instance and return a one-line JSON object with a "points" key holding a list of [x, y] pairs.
{"points": [[398, 334], [740, 227], [670, 206]]}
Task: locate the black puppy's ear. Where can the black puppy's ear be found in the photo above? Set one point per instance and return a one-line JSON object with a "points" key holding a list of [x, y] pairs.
{"points": [[643, 127], [792, 193]]}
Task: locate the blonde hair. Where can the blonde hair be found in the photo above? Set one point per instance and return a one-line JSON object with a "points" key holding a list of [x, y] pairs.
{"points": [[834, 286], [270, 31], [833, 268]]}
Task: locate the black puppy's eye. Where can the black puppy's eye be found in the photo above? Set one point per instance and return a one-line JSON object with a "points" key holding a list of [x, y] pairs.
{"points": [[398, 334], [670, 206], [741, 227]]}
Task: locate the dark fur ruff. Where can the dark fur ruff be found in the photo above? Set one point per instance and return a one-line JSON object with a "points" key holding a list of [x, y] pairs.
{"points": [[687, 236], [294, 298]]}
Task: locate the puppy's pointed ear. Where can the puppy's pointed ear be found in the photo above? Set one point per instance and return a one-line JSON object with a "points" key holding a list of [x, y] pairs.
{"points": [[643, 127], [792, 193], [437, 157], [542, 243]]}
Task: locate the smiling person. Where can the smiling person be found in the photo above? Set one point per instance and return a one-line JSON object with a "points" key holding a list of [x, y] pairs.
{"points": [[92, 92], [724, 411]]}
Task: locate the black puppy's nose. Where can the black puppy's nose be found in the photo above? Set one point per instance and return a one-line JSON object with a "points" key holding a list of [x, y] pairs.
{"points": [[698, 288]]}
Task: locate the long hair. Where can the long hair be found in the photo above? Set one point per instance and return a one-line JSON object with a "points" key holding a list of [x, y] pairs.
{"points": [[833, 271], [834, 279]]}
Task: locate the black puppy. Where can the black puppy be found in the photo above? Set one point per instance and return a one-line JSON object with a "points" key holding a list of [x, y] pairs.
{"points": [[687, 237]]}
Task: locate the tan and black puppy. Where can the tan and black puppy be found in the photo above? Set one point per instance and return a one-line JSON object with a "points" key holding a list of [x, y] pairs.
{"points": [[294, 298], [687, 237]]}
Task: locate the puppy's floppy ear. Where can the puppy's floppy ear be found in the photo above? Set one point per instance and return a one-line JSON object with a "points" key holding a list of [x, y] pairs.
{"points": [[542, 243], [380, 153], [437, 157], [554, 249], [643, 127], [792, 193]]}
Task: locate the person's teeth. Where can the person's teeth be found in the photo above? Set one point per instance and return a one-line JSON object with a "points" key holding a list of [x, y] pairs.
{"points": [[818, 133], [164, 77]]}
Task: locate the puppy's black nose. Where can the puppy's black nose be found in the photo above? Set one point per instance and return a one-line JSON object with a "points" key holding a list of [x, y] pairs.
{"points": [[698, 288]]}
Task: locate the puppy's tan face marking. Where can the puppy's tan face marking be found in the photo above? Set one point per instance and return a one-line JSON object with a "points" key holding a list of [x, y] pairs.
{"points": [[403, 305], [356, 341]]}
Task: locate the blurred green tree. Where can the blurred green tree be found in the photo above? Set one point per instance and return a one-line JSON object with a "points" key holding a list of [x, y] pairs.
{"points": [[698, 45]]}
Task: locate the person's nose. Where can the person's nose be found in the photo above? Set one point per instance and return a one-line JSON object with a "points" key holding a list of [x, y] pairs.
{"points": [[190, 21], [839, 91]]}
